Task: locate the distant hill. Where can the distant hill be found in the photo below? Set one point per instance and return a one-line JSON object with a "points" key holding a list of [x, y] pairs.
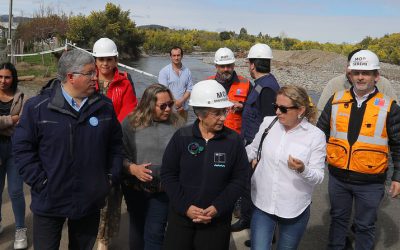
{"points": [[153, 27], [17, 19]]}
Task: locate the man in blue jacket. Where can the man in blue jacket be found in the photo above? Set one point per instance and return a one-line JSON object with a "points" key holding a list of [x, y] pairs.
{"points": [[67, 148]]}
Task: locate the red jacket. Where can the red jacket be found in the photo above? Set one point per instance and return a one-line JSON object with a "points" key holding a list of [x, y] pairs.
{"points": [[122, 95]]}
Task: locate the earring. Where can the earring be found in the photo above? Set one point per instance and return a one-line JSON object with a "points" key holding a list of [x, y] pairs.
{"points": [[299, 117]]}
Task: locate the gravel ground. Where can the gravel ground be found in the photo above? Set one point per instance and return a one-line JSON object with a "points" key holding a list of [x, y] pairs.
{"points": [[311, 69]]}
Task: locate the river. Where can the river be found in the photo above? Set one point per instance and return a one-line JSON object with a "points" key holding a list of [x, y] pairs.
{"points": [[199, 69], [154, 64]]}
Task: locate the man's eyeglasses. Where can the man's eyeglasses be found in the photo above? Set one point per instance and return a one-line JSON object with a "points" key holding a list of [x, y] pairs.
{"points": [[283, 109], [219, 112], [163, 106], [89, 74]]}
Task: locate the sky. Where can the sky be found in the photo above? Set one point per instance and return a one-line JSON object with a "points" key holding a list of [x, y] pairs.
{"points": [[316, 20]]}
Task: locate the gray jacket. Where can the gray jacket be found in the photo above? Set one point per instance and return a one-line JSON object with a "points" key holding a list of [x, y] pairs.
{"points": [[6, 123]]}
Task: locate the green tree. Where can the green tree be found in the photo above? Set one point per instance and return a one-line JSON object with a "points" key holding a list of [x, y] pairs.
{"points": [[365, 42], [113, 23], [225, 35], [243, 34]]}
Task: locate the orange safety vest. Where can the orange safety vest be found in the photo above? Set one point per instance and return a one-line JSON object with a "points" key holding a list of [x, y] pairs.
{"points": [[369, 154], [238, 92]]}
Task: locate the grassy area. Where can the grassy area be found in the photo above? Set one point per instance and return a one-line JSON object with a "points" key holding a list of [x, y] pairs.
{"points": [[37, 65]]}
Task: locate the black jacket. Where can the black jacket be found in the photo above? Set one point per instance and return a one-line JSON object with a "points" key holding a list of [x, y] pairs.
{"points": [[200, 173], [356, 117]]}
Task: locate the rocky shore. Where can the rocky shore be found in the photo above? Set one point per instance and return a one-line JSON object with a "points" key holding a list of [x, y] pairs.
{"points": [[311, 69]]}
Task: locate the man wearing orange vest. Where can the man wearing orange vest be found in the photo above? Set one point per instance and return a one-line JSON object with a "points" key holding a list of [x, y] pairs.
{"points": [[361, 125], [237, 87]]}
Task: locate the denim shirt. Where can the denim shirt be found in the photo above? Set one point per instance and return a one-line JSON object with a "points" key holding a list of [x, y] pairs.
{"points": [[178, 84]]}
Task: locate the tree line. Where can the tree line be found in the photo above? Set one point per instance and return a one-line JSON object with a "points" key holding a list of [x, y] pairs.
{"points": [[116, 24]]}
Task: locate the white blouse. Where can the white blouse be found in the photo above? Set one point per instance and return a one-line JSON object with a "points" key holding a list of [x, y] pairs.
{"points": [[275, 188]]}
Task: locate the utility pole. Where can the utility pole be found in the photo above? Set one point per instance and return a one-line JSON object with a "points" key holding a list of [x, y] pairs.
{"points": [[9, 40]]}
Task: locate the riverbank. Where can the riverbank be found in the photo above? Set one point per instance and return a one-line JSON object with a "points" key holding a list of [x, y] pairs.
{"points": [[311, 69]]}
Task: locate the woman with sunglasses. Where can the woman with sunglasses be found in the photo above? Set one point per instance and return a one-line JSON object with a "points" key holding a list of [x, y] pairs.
{"points": [[204, 171], [11, 102], [119, 88], [146, 133], [291, 161]]}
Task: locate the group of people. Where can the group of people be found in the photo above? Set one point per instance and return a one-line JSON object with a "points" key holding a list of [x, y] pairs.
{"points": [[85, 141]]}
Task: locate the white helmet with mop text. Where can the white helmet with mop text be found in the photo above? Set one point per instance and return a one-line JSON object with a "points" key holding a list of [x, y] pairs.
{"points": [[364, 60], [209, 93], [224, 56]]}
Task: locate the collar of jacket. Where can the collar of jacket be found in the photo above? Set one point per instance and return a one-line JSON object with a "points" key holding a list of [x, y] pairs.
{"points": [[57, 100], [218, 135], [369, 96], [262, 77], [17, 96]]}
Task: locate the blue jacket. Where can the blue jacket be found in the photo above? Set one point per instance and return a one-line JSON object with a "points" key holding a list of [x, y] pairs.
{"points": [[251, 115], [68, 158]]}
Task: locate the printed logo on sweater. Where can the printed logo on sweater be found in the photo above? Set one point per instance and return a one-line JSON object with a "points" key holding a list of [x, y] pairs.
{"points": [[194, 148], [219, 160]]}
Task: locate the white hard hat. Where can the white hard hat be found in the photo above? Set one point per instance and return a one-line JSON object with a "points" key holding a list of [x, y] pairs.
{"points": [[224, 56], [260, 50], [364, 60], [104, 47], [209, 93]]}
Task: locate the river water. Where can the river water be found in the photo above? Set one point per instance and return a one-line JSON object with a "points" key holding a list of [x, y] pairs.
{"points": [[154, 64]]}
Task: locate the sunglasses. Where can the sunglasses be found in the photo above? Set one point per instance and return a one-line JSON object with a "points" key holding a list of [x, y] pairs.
{"points": [[283, 109], [163, 106]]}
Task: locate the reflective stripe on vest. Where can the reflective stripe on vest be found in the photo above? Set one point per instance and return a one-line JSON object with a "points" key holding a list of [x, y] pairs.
{"points": [[335, 108], [258, 89], [380, 122]]}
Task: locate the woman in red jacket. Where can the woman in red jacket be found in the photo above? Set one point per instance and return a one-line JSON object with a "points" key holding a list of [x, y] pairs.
{"points": [[112, 83], [116, 86]]}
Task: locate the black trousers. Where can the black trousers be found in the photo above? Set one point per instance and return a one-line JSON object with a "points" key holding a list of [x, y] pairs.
{"points": [[183, 234], [82, 233]]}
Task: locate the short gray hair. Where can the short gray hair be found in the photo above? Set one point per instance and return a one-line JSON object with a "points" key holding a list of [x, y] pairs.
{"points": [[72, 61], [201, 111]]}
